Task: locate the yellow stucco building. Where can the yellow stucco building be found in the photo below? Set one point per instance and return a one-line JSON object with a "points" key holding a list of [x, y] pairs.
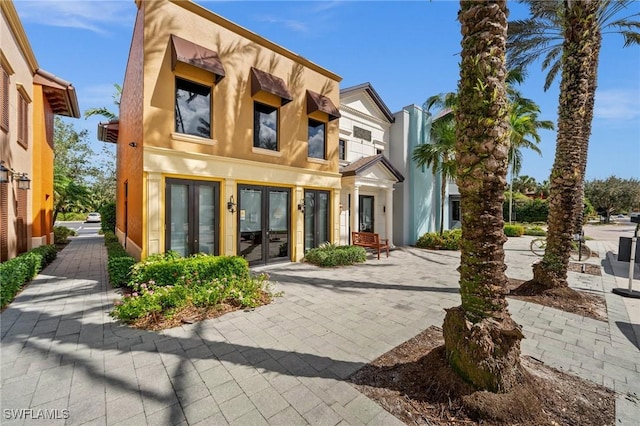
{"points": [[227, 143], [29, 99]]}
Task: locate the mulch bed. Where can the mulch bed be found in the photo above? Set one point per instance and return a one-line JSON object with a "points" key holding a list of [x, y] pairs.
{"points": [[414, 382]]}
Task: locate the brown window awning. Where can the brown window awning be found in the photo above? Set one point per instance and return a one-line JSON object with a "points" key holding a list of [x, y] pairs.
{"points": [[318, 102], [193, 54], [264, 82], [108, 132]]}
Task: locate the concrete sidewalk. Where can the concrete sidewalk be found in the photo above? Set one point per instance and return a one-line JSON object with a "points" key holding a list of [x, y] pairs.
{"points": [[284, 363]]}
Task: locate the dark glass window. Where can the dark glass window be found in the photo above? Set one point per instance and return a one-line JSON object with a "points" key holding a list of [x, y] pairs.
{"points": [[265, 126], [193, 108], [455, 210], [316, 139], [342, 149]]}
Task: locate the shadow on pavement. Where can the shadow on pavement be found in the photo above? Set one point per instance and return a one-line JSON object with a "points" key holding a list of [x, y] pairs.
{"points": [[627, 329]]}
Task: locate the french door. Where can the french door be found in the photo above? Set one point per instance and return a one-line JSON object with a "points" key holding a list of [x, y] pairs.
{"points": [[316, 218], [366, 213], [192, 210], [264, 223]]}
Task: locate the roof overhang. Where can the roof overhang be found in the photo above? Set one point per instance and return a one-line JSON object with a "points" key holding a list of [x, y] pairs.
{"points": [[60, 94], [358, 167], [369, 90], [322, 103], [108, 132], [193, 54], [262, 81]]}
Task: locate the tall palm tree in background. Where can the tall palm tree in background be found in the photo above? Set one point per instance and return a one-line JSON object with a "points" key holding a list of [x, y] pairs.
{"points": [[581, 42], [439, 153], [104, 111], [544, 36], [481, 339]]}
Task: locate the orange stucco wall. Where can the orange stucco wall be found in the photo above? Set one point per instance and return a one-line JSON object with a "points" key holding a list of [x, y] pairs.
{"points": [[130, 158], [233, 104], [42, 180]]}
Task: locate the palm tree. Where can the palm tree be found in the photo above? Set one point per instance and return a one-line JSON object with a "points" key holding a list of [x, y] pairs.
{"points": [[543, 36], [581, 43], [104, 111], [439, 154], [481, 339]]}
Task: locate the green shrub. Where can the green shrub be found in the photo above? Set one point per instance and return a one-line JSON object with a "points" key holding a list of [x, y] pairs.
{"points": [[61, 234], [168, 269], [513, 230], [110, 237], [535, 231], [332, 255], [71, 216], [119, 269], [169, 300], [108, 217], [449, 240], [18, 271]]}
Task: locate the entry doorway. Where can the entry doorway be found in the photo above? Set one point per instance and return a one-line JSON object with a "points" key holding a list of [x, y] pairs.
{"points": [[264, 223], [192, 211], [316, 218], [366, 213]]}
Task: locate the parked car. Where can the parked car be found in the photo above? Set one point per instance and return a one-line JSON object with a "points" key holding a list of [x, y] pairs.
{"points": [[93, 217]]}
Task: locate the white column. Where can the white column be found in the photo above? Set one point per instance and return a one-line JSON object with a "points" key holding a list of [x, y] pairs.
{"points": [[389, 215], [355, 209]]}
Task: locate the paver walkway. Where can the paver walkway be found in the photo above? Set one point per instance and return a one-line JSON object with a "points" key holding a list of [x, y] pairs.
{"points": [[280, 364]]}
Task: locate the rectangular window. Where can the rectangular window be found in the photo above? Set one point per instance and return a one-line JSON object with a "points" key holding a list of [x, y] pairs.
{"points": [[193, 108], [342, 149], [455, 210], [4, 100], [23, 121], [316, 139], [265, 126]]}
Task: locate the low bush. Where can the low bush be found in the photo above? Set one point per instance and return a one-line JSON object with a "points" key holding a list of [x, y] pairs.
{"points": [[71, 216], [15, 273], [333, 255], [108, 217], [119, 262], [170, 269], [535, 231], [513, 230], [151, 301], [61, 234], [449, 240]]}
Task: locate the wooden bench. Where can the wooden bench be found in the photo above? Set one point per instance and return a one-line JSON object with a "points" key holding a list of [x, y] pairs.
{"points": [[370, 240]]}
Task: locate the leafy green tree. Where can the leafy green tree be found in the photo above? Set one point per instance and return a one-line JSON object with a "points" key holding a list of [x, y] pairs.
{"points": [[613, 195], [481, 339], [104, 111]]}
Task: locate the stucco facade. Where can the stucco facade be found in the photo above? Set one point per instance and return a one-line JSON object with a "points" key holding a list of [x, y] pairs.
{"points": [[30, 98], [219, 187]]}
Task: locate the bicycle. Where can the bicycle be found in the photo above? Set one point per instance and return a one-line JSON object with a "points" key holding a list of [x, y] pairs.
{"points": [[579, 250]]}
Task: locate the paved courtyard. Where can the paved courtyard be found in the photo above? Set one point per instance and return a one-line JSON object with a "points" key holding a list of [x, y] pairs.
{"points": [[284, 363]]}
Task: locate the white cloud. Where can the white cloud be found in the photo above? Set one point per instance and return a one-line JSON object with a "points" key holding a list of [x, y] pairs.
{"points": [[292, 24], [617, 104], [91, 15]]}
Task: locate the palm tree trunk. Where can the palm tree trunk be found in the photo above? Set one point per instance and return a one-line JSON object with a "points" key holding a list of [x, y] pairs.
{"points": [[481, 340], [443, 191], [593, 82], [567, 174]]}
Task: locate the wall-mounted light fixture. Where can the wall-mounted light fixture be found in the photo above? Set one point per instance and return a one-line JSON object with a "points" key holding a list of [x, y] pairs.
{"points": [[133, 144], [231, 205], [23, 179], [301, 206]]}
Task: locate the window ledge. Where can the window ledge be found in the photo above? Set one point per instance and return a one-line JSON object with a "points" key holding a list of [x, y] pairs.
{"points": [[317, 160], [193, 139], [264, 151]]}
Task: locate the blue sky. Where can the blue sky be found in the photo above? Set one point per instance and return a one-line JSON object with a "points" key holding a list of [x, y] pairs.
{"points": [[407, 50]]}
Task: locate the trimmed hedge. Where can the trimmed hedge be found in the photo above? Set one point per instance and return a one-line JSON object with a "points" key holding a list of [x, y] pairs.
{"points": [[61, 234], [449, 240], [513, 230], [169, 269], [535, 231], [15, 273], [119, 262], [332, 255]]}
